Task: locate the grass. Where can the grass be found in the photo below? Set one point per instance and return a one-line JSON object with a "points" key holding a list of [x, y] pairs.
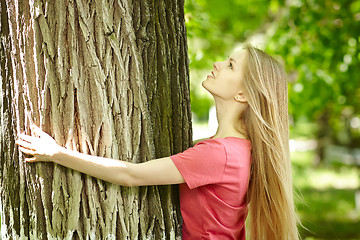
{"points": [[326, 199]]}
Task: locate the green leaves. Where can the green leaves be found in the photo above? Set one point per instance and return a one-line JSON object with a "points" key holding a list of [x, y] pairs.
{"points": [[319, 42]]}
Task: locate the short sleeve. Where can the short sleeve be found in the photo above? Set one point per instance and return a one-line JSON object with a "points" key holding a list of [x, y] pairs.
{"points": [[202, 164]]}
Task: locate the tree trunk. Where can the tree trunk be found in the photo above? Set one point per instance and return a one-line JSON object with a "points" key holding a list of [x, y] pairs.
{"points": [[107, 78], [323, 137]]}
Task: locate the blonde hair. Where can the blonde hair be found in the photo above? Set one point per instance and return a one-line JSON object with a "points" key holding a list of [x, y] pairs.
{"points": [[272, 214]]}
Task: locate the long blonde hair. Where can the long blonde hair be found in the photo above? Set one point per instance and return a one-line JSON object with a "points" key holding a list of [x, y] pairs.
{"points": [[272, 214]]}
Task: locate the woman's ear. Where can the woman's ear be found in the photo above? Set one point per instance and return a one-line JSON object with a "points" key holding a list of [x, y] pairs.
{"points": [[240, 98]]}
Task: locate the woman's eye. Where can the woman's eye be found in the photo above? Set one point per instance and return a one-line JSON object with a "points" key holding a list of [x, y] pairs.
{"points": [[230, 65]]}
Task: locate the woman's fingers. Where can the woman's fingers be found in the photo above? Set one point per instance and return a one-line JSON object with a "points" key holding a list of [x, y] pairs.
{"points": [[27, 151], [38, 132], [35, 130], [41, 145], [27, 138], [24, 144], [26, 147], [33, 159]]}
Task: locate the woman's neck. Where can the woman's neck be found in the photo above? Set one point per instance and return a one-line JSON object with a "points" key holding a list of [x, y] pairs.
{"points": [[228, 115]]}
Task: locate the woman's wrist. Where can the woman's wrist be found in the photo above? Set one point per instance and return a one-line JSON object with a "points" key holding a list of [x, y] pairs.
{"points": [[59, 154]]}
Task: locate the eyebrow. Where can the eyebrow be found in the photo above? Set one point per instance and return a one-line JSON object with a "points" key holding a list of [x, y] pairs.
{"points": [[233, 60]]}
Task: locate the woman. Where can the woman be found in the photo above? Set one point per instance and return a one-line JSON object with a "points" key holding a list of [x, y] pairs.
{"points": [[246, 161]]}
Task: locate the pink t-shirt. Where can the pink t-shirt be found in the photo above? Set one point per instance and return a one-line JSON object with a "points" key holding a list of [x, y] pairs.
{"points": [[213, 203]]}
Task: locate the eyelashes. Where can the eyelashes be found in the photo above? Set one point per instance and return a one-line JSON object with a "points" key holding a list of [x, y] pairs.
{"points": [[230, 63]]}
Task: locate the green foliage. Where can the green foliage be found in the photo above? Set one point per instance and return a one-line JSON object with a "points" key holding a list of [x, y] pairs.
{"points": [[319, 42], [202, 106]]}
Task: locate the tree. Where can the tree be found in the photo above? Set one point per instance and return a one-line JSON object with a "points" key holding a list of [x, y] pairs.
{"points": [[107, 78]]}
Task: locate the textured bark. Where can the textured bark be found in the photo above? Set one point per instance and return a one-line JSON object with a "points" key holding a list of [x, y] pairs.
{"points": [[107, 78]]}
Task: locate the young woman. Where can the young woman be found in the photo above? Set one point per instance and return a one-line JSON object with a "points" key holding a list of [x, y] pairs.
{"points": [[245, 162]]}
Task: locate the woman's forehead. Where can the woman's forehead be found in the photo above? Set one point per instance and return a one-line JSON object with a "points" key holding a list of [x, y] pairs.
{"points": [[238, 55]]}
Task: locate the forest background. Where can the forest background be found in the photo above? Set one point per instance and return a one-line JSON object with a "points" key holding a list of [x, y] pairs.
{"points": [[318, 42]]}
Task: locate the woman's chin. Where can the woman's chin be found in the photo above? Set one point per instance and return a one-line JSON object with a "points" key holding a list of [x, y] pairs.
{"points": [[205, 85]]}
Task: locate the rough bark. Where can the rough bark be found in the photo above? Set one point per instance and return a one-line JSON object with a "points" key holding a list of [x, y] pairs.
{"points": [[107, 78]]}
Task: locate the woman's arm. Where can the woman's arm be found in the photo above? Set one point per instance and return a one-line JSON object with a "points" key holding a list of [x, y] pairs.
{"points": [[155, 172]]}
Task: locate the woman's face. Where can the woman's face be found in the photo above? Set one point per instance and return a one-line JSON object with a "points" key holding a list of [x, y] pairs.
{"points": [[225, 80]]}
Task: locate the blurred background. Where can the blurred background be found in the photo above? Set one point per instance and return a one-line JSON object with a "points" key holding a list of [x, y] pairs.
{"points": [[318, 42]]}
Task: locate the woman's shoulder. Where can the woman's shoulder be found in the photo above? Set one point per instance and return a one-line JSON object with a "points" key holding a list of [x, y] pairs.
{"points": [[228, 143], [224, 140]]}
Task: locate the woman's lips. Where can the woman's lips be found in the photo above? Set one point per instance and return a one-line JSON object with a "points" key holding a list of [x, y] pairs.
{"points": [[212, 75]]}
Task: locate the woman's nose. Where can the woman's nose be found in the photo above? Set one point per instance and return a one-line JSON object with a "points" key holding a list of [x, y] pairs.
{"points": [[216, 65]]}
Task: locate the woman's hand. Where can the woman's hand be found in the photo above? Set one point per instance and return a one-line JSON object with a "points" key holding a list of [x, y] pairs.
{"points": [[41, 146]]}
